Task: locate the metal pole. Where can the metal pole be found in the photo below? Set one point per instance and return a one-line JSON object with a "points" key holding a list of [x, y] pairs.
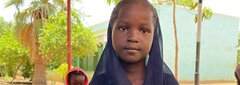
{"points": [[198, 42], [69, 48]]}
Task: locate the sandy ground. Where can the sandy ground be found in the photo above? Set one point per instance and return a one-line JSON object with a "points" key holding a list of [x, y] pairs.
{"points": [[59, 83], [54, 80], [214, 84]]}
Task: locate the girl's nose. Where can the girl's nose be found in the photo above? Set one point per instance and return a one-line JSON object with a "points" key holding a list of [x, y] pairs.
{"points": [[133, 36]]}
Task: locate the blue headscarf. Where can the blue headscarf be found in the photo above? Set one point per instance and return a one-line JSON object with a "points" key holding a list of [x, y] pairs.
{"points": [[109, 71]]}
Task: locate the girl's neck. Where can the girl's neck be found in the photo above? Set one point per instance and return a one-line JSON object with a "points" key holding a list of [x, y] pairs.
{"points": [[135, 72]]}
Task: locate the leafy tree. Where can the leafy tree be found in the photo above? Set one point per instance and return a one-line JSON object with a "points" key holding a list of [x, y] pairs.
{"points": [[12, 54], [4, 26], [62, 70], [53, 38], [29, 23], [27, 69]]}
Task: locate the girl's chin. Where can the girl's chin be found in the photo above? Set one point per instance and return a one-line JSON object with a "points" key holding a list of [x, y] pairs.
{"points": [[131, 60]]}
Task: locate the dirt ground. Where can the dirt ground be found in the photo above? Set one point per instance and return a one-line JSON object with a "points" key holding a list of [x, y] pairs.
{"points": [[59, 83], [53, 81], [214, 84], [210, 83]]}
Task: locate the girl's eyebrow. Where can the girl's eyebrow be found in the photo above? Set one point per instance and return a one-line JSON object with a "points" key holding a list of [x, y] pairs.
{"points": [[146, 25], [126, 22], [123, 21]]}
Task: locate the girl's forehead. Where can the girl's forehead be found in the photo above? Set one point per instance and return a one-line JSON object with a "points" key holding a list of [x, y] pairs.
{"points": [[135, 6], [135, 13], [135, 10]]}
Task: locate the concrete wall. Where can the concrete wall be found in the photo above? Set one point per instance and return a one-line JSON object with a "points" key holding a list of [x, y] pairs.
{"points": [[218, 44]]}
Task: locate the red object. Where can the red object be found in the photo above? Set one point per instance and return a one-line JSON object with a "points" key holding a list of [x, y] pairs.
{"points": [[69, 48], [77, 69]]}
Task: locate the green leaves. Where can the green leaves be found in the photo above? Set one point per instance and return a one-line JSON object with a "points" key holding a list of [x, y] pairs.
{"points": [[14, 2], [10, 48], [109, 2], [12, 53], [192, 5], [62, 70], [207, 14], [53, 37]]}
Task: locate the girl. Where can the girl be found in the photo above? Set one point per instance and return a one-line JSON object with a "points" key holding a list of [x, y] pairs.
{"points": [[76, 77], [133, 34]]}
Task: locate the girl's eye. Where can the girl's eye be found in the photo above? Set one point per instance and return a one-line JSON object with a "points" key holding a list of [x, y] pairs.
{"points": [[144, 30], [123, 28]]}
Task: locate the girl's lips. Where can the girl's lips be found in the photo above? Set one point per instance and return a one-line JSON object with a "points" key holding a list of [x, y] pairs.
{"points": [[132, 48]]}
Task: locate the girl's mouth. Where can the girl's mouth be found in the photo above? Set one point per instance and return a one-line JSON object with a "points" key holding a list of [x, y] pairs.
{"points": [[131, 49]]}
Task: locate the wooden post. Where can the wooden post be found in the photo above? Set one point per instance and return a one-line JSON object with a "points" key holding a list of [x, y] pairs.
{"points": [[69, 48]]}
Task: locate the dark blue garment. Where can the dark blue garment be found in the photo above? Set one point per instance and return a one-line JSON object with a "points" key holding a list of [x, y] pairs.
{"points": [[109, 71]]}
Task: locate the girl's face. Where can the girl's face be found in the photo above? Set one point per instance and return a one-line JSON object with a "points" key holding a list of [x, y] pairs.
{"points": [[77, 80], [132, 33]]}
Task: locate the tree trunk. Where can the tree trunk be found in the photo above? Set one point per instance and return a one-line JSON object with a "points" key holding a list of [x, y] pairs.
{"points": [[176, 39], [39, 77]]}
